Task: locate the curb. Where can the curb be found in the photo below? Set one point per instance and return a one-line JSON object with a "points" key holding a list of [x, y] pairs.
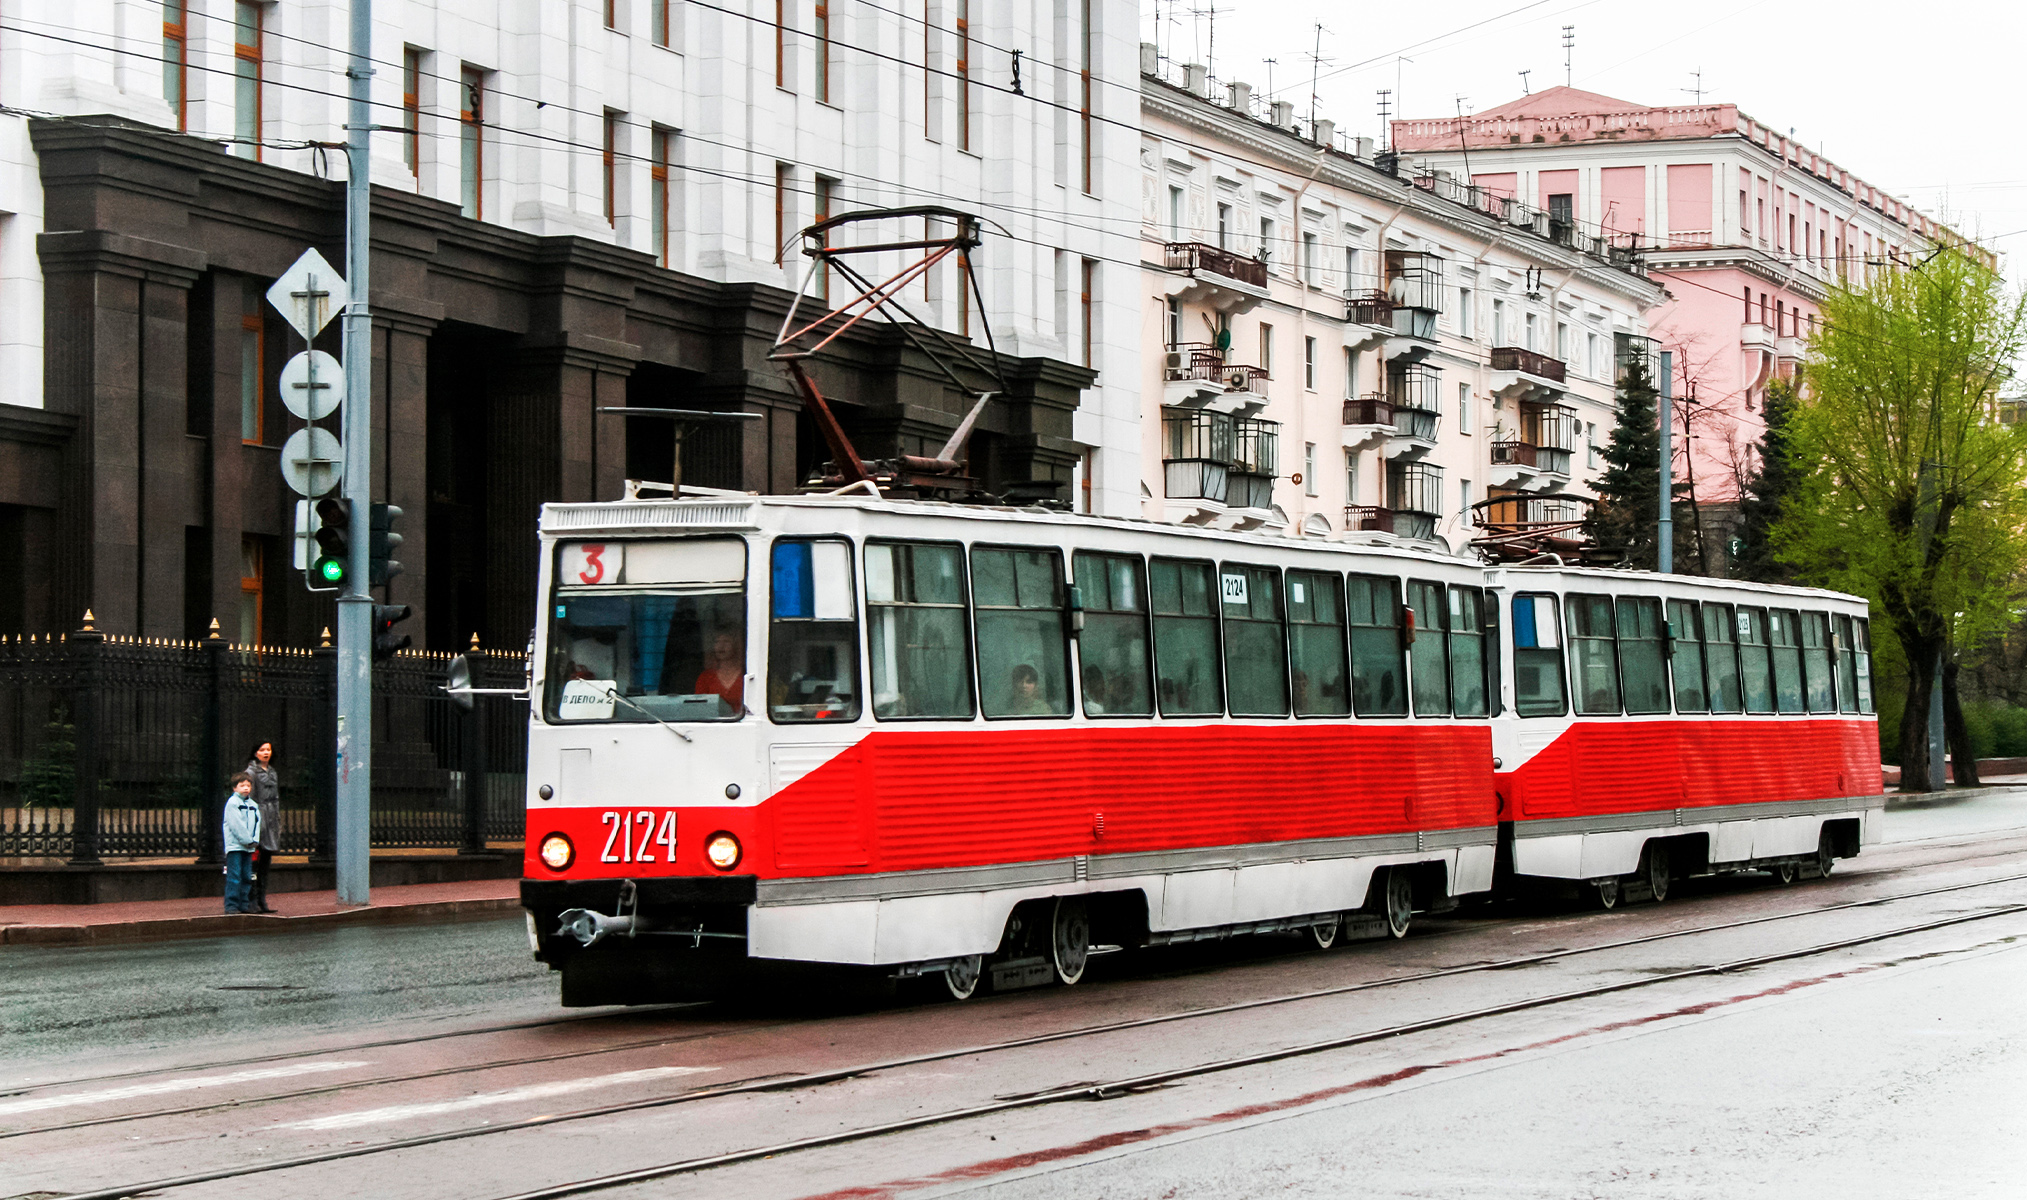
{"points": [[192, 927]]}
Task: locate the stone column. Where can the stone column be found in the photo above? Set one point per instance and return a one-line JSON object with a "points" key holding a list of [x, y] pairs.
{"points": [[401, 332]]}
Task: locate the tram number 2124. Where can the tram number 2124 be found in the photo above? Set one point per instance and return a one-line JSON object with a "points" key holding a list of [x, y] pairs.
{"points": [[632, 837]]}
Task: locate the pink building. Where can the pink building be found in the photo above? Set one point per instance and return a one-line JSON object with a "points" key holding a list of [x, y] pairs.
{"points": [[1745, 227]]}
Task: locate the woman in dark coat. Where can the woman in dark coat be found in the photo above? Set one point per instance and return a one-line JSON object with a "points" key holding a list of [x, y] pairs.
{"points": [[267, 793]]}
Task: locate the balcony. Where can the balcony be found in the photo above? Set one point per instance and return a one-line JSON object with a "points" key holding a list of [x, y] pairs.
{"points": [[1196, 375], [1522, 374], [1414, 498], [1214, 464], [1755, 336], [1218, 279], [1368, 518], [1367, 420], [1539, 459], [1414, 391]]}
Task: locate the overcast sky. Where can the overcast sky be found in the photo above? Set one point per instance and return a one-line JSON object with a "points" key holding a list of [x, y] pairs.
{"points": [[1919, 99]]}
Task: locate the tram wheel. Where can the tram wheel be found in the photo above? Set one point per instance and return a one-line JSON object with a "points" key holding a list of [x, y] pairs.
{"points": [[1606, 893], [961, 977], [1657, 873], [1323, 934], [1400, 902], [1825, 860], [1071, 943], [1783, 872]]}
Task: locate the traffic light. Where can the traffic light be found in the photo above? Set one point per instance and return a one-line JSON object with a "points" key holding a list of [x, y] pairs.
{"points": [[385, 642], [381, 544], [334, 543]]}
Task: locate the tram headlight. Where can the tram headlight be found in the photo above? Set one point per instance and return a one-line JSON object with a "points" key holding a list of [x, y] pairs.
{"points": [[557, 852], [723, 851]]}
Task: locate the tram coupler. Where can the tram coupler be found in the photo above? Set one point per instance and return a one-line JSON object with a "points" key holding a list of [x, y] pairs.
{"points": [[590, 928]]}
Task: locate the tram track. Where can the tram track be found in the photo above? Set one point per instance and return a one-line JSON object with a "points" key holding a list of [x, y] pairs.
{"points": [[784, 1083], [643, 1012]]}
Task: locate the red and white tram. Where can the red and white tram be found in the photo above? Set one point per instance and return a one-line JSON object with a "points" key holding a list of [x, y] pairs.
{"points": [[970, 742]]}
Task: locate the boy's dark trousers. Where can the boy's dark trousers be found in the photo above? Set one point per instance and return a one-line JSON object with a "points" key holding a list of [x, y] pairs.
{"points": [[238, 881], [256, 895]]}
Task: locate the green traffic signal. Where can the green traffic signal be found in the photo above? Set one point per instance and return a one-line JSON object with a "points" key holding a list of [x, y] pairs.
{"points": [[330, 570]]}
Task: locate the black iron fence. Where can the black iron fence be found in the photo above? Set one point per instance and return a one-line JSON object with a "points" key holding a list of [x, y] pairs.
{"points": [[120, 747]]}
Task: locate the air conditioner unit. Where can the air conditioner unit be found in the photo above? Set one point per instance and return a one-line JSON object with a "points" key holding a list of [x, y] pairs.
{"points": [[1175, 360], [1238, 381]]}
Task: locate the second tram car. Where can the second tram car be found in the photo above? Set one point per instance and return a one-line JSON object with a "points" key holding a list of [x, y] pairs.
{"points": [[977, 743]]}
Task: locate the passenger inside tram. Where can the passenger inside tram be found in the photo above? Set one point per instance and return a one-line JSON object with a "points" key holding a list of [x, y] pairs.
{"points": [[1025, 693]]}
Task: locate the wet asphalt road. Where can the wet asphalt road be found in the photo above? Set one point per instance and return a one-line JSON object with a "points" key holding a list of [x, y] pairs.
{"points": [[1895, 1068]]}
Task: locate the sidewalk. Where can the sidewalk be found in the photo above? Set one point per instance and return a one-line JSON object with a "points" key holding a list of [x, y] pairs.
{"points": [[295, 912]]}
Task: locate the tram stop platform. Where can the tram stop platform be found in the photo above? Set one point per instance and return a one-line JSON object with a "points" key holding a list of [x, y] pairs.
{"points": [[192, 917]]}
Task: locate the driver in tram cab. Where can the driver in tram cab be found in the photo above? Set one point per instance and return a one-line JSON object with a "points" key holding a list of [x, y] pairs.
{"points": [[1027, 693], [724, 674]]}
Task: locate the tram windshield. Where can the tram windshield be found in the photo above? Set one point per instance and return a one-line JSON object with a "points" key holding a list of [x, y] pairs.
{"points": [[648, 631]]}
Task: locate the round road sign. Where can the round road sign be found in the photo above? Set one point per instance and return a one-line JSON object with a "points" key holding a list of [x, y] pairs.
{"points": [[313, 399], [313, 461]]}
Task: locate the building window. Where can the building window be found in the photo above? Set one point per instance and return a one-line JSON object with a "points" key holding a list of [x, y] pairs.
{"points": [[1464, 409], [1084, 104], [823, 52], [781, 43], [1499, 322], [175, 60], [1090, 311], [252, 573], [1175, 207], [1352, 283], [252, 364], [246, 67], [1224, 226], [1267, 349], [610, 163], [1173, 320], [1530, 331], [658, 21], [1351, 477], [1562, 341], [784, 179], [964, 74], [612, 14], [411, 109], [1309, 259], [1309, 363], [1590, 352], [1266, 239], [472, 142], [658, 193], [1350, 373], [1464, 501], [1309, 468], [1464, 312], [825, 190]]}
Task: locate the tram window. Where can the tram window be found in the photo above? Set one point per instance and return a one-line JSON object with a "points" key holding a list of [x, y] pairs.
{"points": [[1023, 636], [1537, 658], [1378, 673], [1847, 667], [1316, 644], [1256, 648], [1754, 664], [1643, 665], [1186, 678], [1786, 629], [1861, 630], [1113, 647], [1428, 657], [916, 636], [1593, 646], [1467, 652], [813, 640], [1819, 663], [1720, 653], [1685, 635], [649, 631]]}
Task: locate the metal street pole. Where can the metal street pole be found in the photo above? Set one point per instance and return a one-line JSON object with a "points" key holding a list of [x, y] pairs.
{"points": [[1664, 538], [355, 604]]}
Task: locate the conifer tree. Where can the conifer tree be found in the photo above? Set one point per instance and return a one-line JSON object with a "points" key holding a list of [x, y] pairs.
{"points": [[1768, 491], [1628, 504]]}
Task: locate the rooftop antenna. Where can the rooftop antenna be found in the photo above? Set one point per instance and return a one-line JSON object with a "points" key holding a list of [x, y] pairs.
{"points": [[1316, 61], [1569, 46], [1463, 138], [1696, 91], [1525, 90], [1386, 97], [1209, 12], [1270, 74]]}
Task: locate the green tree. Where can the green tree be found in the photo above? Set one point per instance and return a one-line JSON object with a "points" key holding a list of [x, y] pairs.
{"points": [[1912, 492], [1627, 512], [1768, 490]]}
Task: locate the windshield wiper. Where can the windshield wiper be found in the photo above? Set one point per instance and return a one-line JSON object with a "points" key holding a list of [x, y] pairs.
{"points": [[614, 693]]}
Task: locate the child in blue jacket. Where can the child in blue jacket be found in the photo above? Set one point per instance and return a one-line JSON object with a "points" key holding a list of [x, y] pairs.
{"points": [[242, 838]]}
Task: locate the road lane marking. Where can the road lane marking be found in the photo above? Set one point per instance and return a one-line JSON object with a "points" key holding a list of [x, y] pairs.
{"points": [[168, 1086], [535, 1091]]}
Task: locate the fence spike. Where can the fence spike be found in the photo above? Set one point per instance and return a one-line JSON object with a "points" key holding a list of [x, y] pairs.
{"points": [[88, 619], [326, 643], [475, 639]]}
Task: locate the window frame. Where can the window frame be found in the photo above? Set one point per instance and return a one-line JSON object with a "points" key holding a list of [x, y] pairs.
{"points": [[1280, 621], [1394, 583], [1488, 677], [1311, 576], [1657, 607], [1776, 652], [1072, 699], [1217, 619], [1139, 562], [1612, 639], [1815, 620], [1765, 647], [856, 592], [1694, 623], [963, 605], [1557, 654], [1441, 634], [176, 61]]}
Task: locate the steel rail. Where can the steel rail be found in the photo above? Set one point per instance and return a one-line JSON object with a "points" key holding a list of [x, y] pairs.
{"points": [[819, 1078]]}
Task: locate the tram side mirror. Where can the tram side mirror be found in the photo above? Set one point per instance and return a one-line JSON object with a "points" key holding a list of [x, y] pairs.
{"points": [[458, 682], [1076, 610]]}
